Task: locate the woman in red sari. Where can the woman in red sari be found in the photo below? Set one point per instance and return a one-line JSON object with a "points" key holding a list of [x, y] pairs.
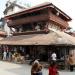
{"points": [[53, 69]]}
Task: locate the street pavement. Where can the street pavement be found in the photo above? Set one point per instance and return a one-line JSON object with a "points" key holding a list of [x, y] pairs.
{"points": [[7, 68]]}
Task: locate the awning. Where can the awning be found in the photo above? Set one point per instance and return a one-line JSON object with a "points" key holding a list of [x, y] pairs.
{"points": [[52, 38]]}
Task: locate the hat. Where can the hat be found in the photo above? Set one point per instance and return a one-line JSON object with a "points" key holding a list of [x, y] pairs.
{"points": [[36, 61]]}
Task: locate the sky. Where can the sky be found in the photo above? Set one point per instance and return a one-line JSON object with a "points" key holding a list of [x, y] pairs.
{"points": [[68, 6]]}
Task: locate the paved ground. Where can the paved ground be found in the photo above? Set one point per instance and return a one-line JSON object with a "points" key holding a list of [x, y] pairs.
{"points": [[7, 68]]}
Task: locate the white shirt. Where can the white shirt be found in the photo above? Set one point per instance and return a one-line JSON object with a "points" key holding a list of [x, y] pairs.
{"points": [[5, 53], [54, 56], [37, 28]]}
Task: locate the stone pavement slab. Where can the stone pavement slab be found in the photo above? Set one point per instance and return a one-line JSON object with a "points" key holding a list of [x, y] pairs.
{"points": [[7, 68]]}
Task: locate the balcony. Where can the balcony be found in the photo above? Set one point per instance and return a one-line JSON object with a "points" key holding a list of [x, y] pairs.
{"points": [[31, 32], [58, 20], [20, 21]]}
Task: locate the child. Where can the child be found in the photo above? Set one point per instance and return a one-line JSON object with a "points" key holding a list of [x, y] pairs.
{"points": [[53, 69]]}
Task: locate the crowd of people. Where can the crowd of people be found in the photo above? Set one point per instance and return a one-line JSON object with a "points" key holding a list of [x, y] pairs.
{"points": [[53, 67], [36, 66], [15, 57], [7, 55]]}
